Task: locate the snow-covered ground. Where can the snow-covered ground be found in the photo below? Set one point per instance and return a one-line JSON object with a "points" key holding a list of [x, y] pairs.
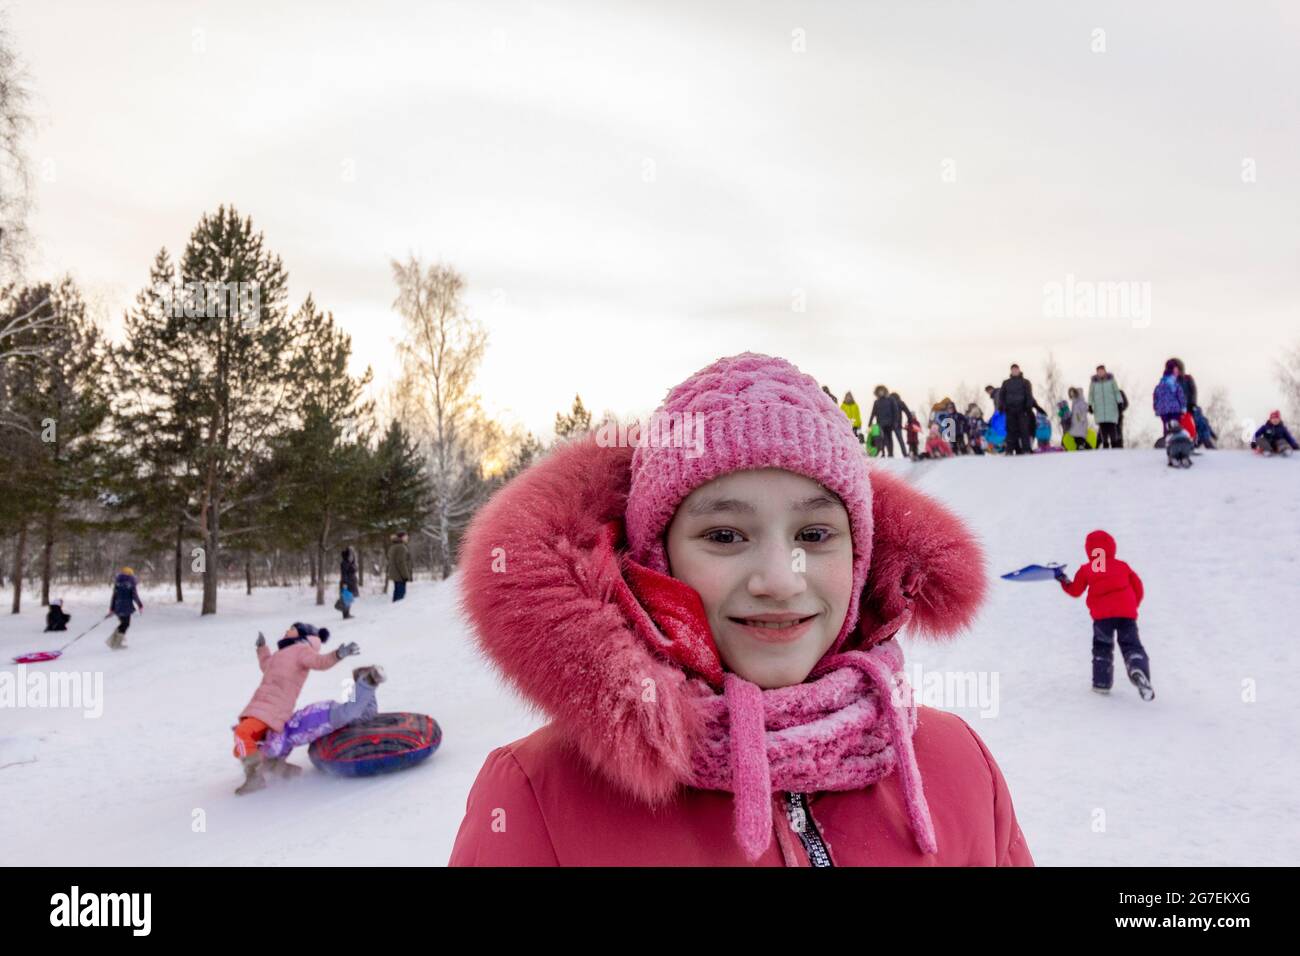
{"points": [[1204, 774]]}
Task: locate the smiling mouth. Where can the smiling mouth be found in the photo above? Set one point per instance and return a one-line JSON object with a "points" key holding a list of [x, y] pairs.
{"points": [[774, 625]]}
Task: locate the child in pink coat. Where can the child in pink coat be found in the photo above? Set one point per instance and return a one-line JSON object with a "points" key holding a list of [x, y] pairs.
{"points": [[935, 446], [283, 674]]}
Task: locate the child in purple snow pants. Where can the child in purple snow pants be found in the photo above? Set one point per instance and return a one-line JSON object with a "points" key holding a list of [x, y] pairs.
{"points": [[325, 716]]}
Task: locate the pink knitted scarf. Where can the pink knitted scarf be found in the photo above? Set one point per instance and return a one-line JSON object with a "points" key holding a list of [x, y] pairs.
{"points": [[848, 726]]}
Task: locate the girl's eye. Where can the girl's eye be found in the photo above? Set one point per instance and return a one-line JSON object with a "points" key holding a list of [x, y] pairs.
{"points": [[710, 536], [826, 534]]}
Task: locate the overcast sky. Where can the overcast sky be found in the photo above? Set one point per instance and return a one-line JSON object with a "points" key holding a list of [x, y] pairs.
{"points": [[880, 192]]}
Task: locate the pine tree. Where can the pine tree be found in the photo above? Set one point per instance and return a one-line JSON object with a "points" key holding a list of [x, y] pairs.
{"points": [[56, 411], [399, 488], [63, 398], [324, 459], [152, 453], [577, 422], [207, 377], [528, 450]]}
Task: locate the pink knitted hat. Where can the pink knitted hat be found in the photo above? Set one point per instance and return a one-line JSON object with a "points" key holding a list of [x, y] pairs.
{"points": [[757, 411]]}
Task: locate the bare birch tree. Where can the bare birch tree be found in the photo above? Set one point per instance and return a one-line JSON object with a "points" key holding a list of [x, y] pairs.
{"points": [[1288, 376], [15, 174], [440, 356], [1223, 420], [24, 333]]}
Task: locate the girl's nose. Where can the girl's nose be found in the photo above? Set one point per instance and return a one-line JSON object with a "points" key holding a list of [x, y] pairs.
{"points": [[779, 574]]}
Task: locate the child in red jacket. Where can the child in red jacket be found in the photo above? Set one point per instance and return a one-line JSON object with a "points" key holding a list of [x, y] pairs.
{"points": [[1114, 593]]}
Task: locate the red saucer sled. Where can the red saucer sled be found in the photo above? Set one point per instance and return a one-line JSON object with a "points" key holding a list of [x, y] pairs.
{"points": [[37, 657]]}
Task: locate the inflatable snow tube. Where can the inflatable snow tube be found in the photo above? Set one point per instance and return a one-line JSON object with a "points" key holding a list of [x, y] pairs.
{"points": [[385, 743]]}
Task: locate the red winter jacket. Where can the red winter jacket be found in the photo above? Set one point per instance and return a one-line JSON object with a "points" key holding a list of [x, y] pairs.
{"points": [[1114, 589], [536, 802], [600, 784]]}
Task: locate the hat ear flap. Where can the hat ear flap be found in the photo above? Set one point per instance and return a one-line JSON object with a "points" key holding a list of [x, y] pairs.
{"points": [[923, 557]]}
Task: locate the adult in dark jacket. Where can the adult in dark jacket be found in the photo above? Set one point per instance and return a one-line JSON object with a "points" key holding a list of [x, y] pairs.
{"points": [[1273, 437], [906, 418], [995, 396], [886, 413], [399, 565], [123, 603], [348, 577], [1018, 405]]}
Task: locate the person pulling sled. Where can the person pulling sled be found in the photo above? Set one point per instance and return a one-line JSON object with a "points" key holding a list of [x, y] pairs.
{"points": [[123, 603]]}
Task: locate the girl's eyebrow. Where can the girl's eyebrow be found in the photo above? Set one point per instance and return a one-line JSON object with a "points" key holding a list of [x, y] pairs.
{"points": [[711, 506]]}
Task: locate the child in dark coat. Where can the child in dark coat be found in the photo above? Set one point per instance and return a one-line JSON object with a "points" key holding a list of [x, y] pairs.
{"points": [[1273, 438], [1178, 447], [1114, 593], [55, 618], [913, 439]]}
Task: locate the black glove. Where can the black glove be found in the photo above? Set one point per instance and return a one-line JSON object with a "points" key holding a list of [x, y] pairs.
{"points": [[261, 640], [347, 650], [1061, 575]]}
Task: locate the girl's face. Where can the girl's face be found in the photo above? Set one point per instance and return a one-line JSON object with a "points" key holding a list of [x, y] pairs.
{"points": [[766, 545]]}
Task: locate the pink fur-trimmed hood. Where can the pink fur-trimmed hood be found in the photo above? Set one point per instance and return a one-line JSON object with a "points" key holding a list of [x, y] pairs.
{"points": [[543, 585]]}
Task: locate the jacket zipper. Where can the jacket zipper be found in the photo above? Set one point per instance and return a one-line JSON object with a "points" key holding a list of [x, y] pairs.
{"points": [[802, 823]]}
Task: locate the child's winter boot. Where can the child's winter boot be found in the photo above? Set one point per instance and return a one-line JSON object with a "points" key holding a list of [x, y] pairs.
{"points": [[373, 675], [1142, 683], [1098, 689], [253, 779], [116, 640], [282, 768]]}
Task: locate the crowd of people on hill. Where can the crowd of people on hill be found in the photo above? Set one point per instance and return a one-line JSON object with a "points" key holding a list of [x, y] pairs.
{"points": [[1087, 418]]}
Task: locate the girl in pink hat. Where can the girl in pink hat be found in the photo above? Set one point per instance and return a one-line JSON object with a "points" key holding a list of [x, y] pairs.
{"points": [[711, 628]]}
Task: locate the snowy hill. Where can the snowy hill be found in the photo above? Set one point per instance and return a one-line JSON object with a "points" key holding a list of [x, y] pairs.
{"points": [[1198, 776]]}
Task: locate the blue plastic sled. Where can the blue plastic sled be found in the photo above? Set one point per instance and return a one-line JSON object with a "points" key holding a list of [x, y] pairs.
{"points": [[1034, 572], [997, 431]]}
